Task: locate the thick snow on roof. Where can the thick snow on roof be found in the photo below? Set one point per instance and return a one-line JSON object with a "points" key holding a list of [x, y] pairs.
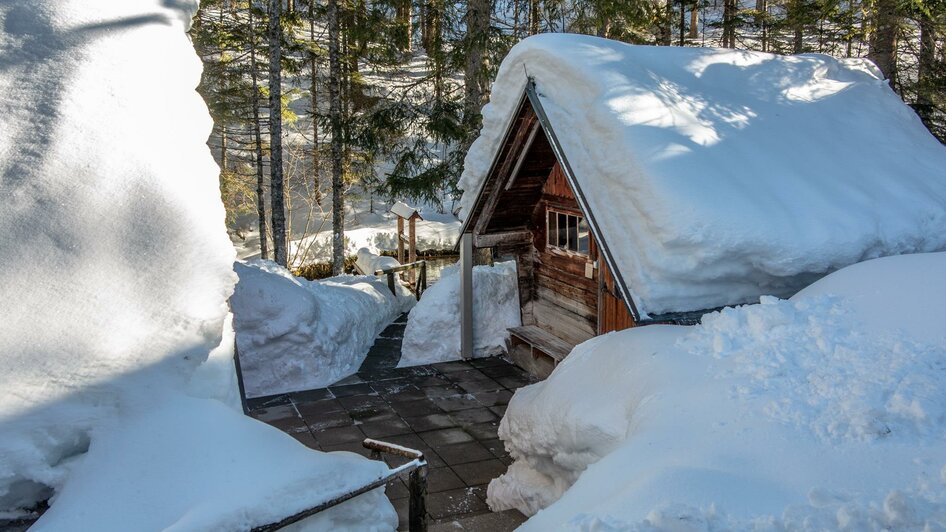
{"points": [[717, 176]]}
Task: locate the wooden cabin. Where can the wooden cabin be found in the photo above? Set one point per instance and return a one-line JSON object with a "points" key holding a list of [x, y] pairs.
{"points": [[682, 194], [530, 211]]}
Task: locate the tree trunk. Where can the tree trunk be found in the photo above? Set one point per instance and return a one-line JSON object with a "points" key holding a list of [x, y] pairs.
{"points": [[335, 117], [276, 187], [926, 67], [258, 141], [534, 16], [729, 23], [224, 163], [477, 23], [666, 25], [314, 104], [883, 42], [403, 13], [694, 21]]}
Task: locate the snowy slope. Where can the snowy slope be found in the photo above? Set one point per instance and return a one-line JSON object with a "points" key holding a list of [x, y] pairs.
{"points": [[717, 176], [811, 413], [119, 403]]}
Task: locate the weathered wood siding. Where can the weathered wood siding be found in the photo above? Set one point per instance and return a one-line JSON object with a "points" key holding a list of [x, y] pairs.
{"points": [[565, 300], [612, 312]]}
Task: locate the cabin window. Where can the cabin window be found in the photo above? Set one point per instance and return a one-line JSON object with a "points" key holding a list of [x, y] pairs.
{"points": [[567, 232]]}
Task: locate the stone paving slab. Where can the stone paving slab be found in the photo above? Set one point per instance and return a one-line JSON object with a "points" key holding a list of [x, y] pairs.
{"points": [[449, 411]]}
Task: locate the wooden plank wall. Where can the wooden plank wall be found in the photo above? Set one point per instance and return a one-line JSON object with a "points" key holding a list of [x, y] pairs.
{"points": [[565, 301], [612, 312]]}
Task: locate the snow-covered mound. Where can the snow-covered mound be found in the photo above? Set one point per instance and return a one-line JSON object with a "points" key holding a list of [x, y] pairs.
{"points": [[116, 266], [119, 399], [433, 326], [294, 334], [716, 176], [126, 482], [368, 262], [809, 413]]}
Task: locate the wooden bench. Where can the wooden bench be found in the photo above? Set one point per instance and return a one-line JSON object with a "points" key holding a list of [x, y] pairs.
{"points": [[540, 342]]}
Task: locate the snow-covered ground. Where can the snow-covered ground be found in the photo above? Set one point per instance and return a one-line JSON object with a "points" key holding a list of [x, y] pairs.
{"points": [[433, 326], [119, 401], [294, 334], [375, 231], [716, 175], [823, 412]]}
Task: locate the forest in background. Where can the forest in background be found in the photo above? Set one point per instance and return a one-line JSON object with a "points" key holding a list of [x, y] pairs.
{"points": [[381, 98]]}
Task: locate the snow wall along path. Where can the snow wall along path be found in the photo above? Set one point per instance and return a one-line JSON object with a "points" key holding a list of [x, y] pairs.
{"points": [[115, 266]]}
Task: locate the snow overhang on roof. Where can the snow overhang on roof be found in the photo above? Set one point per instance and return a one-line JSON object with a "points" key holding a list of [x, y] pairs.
{"points": [[716, 176]]}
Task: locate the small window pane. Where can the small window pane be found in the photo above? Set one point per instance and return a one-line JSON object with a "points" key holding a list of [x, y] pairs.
{"points": [[573, 233], [582, 236], [562, 230], [552, 238]]}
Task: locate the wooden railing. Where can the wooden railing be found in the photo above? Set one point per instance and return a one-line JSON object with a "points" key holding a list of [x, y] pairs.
{"points": [[417, 485], [420, 283]]}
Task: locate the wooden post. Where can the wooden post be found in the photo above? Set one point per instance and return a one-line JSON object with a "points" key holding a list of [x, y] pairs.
{"points": [[400, 240], [417, 505], [466, 296], [412, 245]]}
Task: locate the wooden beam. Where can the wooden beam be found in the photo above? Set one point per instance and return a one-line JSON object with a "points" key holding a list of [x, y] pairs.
{"points": [[504, 238], [466, 295], [522, 155], [400, 240], [412, 245]]}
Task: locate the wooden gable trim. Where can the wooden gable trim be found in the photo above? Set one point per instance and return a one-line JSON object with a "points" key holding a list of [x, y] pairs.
{"points": [[475, 213], [533, 97], [507, 172]]}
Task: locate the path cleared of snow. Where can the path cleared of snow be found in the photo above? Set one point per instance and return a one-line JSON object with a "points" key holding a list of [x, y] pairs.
{"points": [[433, 326], [294, 334], [826, 411]]}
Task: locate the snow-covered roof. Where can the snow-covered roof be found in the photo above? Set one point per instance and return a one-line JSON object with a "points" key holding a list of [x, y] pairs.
{"points": [[404, 210], [716, 175]]}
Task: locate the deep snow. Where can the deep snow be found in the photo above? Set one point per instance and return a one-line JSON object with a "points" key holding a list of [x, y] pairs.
{"points": [[717, 176], [433, 326], [826, 411], [294, 334], [119, 397]]}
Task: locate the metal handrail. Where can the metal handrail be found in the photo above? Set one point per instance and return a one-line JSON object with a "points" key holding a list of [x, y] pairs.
{"points": [[417, 467], [420, 285]]}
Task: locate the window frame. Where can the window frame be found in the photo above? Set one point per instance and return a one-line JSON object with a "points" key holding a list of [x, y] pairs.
{"points": [[578, 219]]}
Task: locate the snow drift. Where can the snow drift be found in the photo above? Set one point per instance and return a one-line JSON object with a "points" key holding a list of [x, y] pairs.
{"points": [[433, 326], [717, 176], [294, 334], [119, 397], [826, 411]]}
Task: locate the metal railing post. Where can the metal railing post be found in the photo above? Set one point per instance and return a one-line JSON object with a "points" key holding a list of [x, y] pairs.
{"points": [[417, 506]]}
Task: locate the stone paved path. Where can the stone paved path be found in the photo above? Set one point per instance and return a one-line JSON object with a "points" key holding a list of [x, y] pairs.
{"points": [[450, 411]]}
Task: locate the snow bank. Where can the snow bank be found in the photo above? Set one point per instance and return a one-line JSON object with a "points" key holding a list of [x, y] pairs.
{"points": [[115, 262], [115, 268], [125, 482], [803, 413], [368, 262], [683, 158], [433, 326], [294, 334]]}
